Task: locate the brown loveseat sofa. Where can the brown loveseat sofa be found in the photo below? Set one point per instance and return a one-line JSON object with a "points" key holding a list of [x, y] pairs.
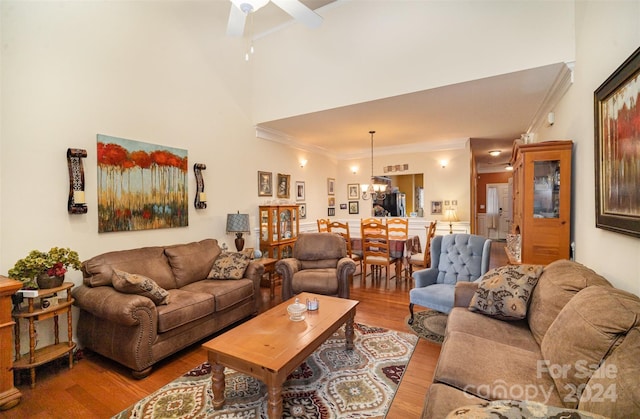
{"points": [[577, 348], [132, 330]]}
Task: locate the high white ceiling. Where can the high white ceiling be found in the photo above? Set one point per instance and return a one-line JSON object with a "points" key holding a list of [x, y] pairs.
{"points": [[492, 112]]}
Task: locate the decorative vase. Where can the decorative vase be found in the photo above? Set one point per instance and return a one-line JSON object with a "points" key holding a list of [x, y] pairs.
{"points": [[45, 281]]}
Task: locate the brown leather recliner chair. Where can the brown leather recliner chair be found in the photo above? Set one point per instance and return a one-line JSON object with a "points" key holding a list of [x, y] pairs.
{"points": [[319, 265]]}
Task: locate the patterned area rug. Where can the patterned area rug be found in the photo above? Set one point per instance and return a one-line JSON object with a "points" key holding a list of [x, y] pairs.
{"points": [[429, 325], [332, 383]]}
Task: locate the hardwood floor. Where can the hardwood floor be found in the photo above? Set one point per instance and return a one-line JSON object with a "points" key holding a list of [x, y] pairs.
{"points": [[99, 388]]}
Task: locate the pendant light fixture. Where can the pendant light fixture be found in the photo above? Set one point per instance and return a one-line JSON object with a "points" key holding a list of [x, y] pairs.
{"points": [[374, 191]]}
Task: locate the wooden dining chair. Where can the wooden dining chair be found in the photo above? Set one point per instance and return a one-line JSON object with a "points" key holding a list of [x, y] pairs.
{"points": [[376, 249], [343, 229], [399, 235], [323, 225], [423, 260], [370, 220]]}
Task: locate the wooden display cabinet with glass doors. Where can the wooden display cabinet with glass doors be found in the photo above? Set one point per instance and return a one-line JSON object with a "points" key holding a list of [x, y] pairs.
{"points": [[541, 201], [279, 227]]}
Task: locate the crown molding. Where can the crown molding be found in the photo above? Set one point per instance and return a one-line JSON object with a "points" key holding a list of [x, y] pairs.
{"points": [[455, 144], [289, 141], [562, 83]]}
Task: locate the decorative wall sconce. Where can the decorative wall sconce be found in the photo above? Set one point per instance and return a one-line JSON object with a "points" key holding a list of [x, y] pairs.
{"points": [[303, 163], [354, 169], [77, 203], [200, 201], [443, 163]]}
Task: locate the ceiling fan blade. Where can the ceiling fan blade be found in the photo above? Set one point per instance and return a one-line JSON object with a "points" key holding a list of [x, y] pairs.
{"points": [[237, 18], [300, 12]]}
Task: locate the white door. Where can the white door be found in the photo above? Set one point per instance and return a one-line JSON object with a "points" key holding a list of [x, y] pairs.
{"points": [[498, 219]]}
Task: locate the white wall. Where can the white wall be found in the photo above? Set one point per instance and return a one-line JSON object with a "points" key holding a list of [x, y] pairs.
{"points": [[156, 72], [369, 49], [606, 34]]}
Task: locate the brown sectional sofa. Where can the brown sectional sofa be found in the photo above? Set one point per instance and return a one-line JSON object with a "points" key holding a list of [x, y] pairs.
{"points": [[132, 330], [577, 348]]}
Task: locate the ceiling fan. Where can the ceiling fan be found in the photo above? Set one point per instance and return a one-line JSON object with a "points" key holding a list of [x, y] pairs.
{"points": [[240, 9]]}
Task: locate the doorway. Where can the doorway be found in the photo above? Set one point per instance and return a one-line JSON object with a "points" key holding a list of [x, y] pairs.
{"points": [[498, 218]]}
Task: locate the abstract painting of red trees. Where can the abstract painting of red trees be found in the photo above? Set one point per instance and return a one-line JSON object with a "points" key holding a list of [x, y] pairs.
{"points": [[141, 186], [621, 150]]}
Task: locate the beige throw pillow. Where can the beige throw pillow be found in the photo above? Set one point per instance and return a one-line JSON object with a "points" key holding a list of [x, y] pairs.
{"points": [[141, 285], [504, 292], [229, 266]]}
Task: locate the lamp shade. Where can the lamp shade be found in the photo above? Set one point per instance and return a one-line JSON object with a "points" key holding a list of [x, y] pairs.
{"points": [[450, 215], [237, 223]]}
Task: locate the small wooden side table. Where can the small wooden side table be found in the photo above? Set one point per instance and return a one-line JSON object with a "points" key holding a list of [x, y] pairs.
{"points": [[9, 395], [35, 312], [270, 269]]}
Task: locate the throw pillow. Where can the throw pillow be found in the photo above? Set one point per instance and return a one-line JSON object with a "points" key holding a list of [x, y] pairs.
{"points": [[229, 265], [504, 292], [141, 285]]}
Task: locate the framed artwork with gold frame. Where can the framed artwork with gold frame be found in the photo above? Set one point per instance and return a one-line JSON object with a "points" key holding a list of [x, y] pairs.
{"points": [[265, 183], [284, 183]]}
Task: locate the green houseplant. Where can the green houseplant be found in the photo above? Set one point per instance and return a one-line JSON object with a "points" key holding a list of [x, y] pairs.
{"points": [[53, 263]]}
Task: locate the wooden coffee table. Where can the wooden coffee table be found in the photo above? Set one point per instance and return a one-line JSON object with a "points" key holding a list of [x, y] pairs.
{"points": [[270, 346]]}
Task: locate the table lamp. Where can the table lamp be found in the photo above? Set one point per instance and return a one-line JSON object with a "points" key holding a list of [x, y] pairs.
{"points": [[238, 223], [451, 216]]}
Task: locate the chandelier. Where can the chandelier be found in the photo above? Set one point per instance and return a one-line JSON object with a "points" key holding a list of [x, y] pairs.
{"points": [[375, 191]]}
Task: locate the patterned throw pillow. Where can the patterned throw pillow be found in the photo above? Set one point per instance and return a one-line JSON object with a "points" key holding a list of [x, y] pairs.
{"points": [[504, 292], [141, 285], [229, 265]]}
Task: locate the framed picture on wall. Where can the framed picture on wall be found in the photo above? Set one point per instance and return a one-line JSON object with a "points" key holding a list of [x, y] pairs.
{"points": [[343, 206], [354, 207], [436, 207], [331, 201], [302, 210], [265, 184], [617, 136], [353, 191], [331, 186], [283, 185], [300, 191], [331, 212]]}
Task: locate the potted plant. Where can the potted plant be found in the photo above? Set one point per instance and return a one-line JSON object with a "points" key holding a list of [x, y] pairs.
{"points": [[45, 269]]}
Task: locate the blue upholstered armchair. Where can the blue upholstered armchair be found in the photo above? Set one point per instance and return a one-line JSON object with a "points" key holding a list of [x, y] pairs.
{"points": [[454, 257]]}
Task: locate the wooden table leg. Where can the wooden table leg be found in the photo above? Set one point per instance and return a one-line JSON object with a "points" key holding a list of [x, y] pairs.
{"points": [[217, 384], [348, 330], [274, 404]]}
